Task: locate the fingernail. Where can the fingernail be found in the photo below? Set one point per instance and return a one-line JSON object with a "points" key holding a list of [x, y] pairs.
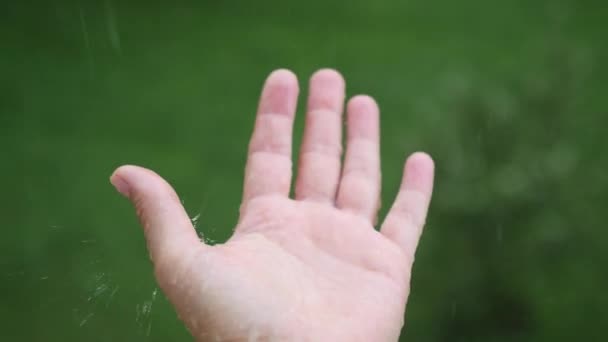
{"points": [[120, 185]]}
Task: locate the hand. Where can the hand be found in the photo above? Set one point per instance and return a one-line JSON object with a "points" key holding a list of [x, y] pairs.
{"points": [[311, 268]]}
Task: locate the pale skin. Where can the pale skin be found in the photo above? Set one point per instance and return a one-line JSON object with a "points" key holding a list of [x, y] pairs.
{"points": [[307, 268]]}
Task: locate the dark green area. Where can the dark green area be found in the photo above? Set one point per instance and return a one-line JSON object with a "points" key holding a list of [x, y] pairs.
{"points": [[508, 96]]}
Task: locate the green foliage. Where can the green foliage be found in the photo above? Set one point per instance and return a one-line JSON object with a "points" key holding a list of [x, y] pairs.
{"points": [[512, 179]]}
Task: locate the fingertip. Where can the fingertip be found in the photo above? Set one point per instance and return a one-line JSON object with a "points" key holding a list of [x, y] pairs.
{"points": [[283, 77], [123, 170], [364, 109], [363, 102], [120, 185], [363, 120], [280, 93], [120, 179], [419, 173], [327, 91], [328, 76], [132, 180], [421, 160], [126, 173]]}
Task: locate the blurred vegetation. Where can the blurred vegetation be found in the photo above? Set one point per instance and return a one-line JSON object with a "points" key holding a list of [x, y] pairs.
{"points": [[508, 97]]}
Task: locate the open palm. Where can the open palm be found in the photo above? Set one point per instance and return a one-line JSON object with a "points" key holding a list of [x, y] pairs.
{"points": [[311, 268]]}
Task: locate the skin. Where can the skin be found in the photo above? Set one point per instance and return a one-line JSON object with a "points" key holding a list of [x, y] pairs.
{"points": [[311, 268]]}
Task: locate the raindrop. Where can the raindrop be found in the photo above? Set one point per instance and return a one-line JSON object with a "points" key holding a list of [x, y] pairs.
{"points": [[112, 25]]}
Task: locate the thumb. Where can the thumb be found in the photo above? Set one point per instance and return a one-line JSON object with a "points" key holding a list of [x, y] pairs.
{"points": [[169, 232]]}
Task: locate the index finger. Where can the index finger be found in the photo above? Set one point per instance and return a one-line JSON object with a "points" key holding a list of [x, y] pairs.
{"points": [[269, 164]]}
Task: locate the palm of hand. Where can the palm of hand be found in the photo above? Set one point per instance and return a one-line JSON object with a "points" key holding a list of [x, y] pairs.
{"points": [[302, 265], [313, 268]]}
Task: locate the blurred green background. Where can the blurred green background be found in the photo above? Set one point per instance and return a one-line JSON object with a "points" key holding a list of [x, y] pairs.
{"points": [[508, 96]]}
